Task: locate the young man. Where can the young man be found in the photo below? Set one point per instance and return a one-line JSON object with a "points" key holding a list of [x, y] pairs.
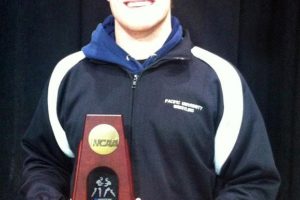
{"points": [[193, 127]]}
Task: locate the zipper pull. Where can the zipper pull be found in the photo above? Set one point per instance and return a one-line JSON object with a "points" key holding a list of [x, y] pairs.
{"points": [[134, 81]]}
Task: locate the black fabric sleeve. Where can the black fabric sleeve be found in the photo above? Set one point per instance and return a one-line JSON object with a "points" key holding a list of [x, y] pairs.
{"points": [[250, 172], [46, 170]]}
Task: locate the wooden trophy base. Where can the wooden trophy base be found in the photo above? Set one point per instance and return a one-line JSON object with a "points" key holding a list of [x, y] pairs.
{"points": [[103, 170]]}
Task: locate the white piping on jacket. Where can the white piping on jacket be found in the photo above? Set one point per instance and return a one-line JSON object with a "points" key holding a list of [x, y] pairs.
{"points": [[59, 72], [230, 124]]}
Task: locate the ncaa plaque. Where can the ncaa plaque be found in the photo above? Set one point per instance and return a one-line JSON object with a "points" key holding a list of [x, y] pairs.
{"points": [[103, 168]]}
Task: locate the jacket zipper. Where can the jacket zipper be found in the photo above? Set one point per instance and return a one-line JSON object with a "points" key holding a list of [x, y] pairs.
{"points": [[134, 81]]}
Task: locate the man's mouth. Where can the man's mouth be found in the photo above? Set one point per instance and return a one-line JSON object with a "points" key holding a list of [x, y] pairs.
{"points": [[138, 3]]}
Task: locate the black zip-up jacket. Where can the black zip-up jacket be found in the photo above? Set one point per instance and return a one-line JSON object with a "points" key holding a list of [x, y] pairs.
{"points": [[193, 128]]}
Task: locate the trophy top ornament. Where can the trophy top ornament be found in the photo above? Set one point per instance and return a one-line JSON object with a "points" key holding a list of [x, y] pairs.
{"points": [[104, 139]]}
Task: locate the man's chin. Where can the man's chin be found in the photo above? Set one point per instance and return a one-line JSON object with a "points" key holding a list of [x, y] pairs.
{"points": [[138, 28], [137, 25]]}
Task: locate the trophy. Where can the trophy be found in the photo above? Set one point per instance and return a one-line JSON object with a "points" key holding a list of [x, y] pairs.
{"points": [[103, 169]]}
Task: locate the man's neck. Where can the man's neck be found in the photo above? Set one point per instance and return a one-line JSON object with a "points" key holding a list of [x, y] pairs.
{"points": [[142, 44]]}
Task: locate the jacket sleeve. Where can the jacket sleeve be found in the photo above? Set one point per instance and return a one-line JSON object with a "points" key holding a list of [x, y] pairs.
{"points": [[46, 170], [249, 172]]}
